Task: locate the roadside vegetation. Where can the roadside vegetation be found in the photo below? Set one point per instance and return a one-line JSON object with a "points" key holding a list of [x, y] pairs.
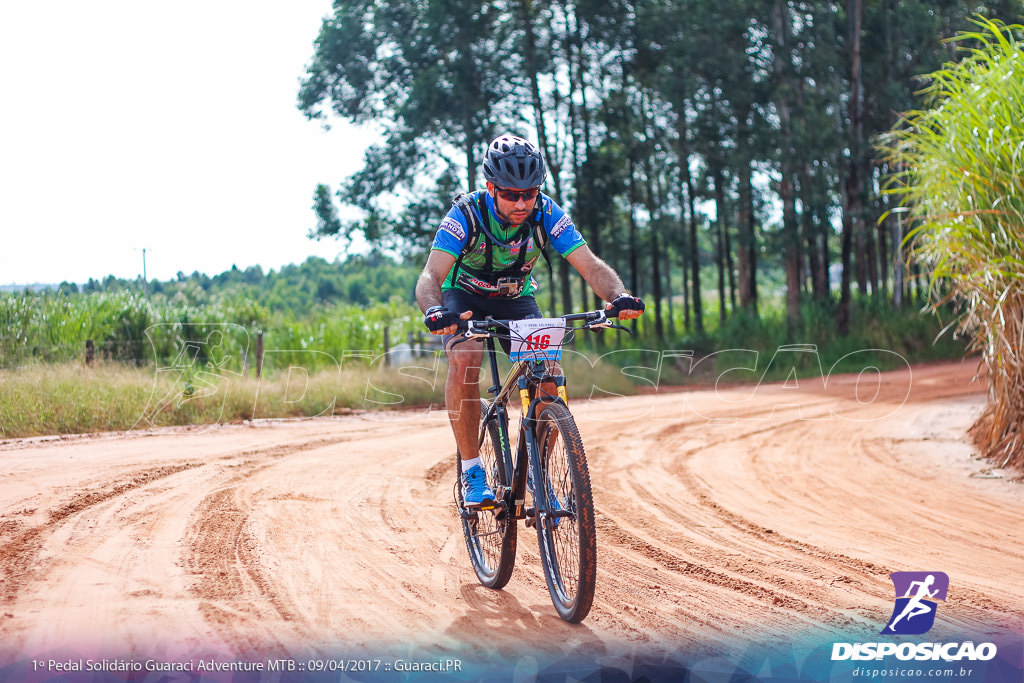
{"points": [[179, 354], [962, 159]]}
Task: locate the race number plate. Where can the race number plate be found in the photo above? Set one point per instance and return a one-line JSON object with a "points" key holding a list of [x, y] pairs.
{"points": [[537, 339]]}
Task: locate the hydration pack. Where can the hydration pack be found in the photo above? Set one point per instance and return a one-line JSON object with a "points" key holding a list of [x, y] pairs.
{"points": [[508, 281]]}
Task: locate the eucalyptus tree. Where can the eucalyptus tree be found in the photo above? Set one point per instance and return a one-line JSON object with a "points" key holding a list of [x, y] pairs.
{"points": [[430, 76], [543, 90], [675, 44], [731, 89], [754, 139], [819, 140], [791, 27]]}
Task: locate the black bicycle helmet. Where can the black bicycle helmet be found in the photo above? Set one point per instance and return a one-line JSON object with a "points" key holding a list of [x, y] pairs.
{"points": [[514, 162]]}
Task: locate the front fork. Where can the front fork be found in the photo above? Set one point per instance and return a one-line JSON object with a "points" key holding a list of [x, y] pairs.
{"points": [[531, 405]]}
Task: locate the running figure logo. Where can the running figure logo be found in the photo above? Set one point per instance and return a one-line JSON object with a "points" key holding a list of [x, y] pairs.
{"points": [[917, 594]]}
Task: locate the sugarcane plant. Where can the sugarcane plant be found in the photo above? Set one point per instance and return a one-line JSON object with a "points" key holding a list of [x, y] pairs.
{"points": [[960, 179]]}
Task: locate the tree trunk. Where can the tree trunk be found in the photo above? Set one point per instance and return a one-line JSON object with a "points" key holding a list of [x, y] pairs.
{"points": [[693, 254], [656, 292], [668, 290], [853, 210], [747, 247], [812, 235], [565, 282], [530, 59], [634, 268], [725, 264], [684, 264], [470, 164], [790, 230]]}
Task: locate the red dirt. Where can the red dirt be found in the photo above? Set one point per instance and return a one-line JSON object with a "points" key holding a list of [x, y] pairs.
{"points": [[738, 515]]}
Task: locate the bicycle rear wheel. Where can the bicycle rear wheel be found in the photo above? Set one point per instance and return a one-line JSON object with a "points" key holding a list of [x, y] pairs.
{"points": [[567, 537], [491, 534]]}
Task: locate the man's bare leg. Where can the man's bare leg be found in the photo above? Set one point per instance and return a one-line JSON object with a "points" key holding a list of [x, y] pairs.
{"points": [[462, 396]]}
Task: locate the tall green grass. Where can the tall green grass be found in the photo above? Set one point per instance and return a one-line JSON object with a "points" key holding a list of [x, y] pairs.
{"points": [[898, 336], [173, 360], [962, 161], [127, 326]]}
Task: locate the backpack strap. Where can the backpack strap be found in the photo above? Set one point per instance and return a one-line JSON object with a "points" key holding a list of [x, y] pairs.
{"points": [[540, 238], [462, 202], [473, 219]]}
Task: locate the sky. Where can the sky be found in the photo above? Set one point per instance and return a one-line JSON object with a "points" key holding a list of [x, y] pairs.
{"points": [[166, 127]]}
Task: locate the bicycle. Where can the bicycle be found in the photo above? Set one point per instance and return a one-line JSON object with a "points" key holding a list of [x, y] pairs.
{"points": [[549, 463]]}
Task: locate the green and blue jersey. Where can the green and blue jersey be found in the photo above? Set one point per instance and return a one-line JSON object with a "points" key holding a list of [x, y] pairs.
{"points": [[454, 234]]}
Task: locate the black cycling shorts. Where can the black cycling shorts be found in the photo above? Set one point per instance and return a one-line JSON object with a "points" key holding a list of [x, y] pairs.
{"points": [[518, 308]]}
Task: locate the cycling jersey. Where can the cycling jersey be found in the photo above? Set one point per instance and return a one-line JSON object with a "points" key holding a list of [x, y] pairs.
{"points": [[453, 237]]}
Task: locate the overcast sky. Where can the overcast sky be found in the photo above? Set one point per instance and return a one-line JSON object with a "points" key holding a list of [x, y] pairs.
{"points": [[172, 127]]}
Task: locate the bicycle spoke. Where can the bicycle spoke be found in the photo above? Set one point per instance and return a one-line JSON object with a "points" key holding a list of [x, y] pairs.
{"points": [[491, 533], [566, 534]]}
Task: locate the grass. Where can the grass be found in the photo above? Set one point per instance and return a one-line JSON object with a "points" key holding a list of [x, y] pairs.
{"points": [[959, 182], [206, 382], [127, 326], [72, 398], [175, 370]]}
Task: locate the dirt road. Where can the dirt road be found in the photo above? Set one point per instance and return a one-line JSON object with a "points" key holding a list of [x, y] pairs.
{"points": [[725, 516]]}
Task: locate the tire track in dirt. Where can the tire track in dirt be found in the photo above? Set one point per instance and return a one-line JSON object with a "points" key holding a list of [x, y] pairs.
{"points": [[712, 534], [223, 555], [224, 558], [760, 544], [26, 532], [751, 571], [20, 546]]}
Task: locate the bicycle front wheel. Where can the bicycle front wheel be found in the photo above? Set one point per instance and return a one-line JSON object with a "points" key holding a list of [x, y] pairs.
{"points": [[566, 533], [491, 534]]}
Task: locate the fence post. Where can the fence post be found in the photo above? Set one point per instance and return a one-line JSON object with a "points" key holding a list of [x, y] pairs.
{"points": [[90, 351], [259, 354], [387, 346]]}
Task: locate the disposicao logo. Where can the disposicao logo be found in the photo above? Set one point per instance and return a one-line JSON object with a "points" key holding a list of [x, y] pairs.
{"points": [[917, 594]]}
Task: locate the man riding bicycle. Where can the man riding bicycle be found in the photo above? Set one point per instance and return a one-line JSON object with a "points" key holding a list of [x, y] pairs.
{"points": [[479, 265]]}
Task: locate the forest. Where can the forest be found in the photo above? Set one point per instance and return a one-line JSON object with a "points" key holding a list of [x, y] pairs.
{"points": [[721, 156]]}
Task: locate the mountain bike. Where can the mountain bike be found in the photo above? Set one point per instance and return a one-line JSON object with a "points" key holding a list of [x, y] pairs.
{"points": [[546, 481]]}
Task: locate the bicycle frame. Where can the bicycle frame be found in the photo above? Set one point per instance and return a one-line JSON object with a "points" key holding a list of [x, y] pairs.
{"points": [[522, 375]]}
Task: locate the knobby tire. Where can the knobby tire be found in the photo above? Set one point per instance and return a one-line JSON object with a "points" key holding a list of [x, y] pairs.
{"points": [[568, 546], [491, 535]]}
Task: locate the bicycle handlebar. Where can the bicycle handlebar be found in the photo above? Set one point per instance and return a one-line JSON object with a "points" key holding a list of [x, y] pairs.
{"points": [[597, 319]]}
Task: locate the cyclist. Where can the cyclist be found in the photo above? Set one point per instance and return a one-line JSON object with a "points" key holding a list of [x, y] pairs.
{"points": [[479, 265]]}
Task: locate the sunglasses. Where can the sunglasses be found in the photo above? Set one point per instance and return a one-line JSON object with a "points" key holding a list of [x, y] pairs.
{"points": [[517, 195]]}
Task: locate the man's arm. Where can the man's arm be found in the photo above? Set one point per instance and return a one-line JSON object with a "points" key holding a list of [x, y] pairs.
{"points": [[428, 286], [601, 277], [428, 291]]}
